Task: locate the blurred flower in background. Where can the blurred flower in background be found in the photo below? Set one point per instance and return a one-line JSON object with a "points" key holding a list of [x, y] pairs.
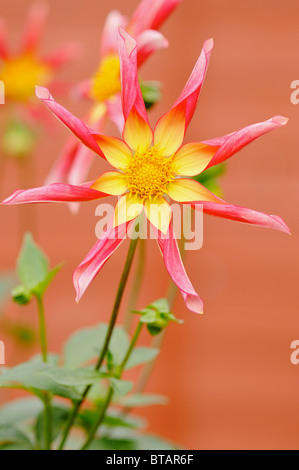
{"points": [[103, 89], [20, 72]]}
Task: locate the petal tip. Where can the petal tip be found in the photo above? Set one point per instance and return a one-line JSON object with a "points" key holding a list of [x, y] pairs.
{"points": [[42, 93], [281, 120], [208, 45]]}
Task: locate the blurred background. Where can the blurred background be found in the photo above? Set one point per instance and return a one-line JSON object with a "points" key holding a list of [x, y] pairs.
{"points": [[227, 373]]}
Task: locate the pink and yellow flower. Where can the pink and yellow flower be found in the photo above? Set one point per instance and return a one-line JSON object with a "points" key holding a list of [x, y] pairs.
{"points": [[150, 168], [103, 89], [22, 71]]}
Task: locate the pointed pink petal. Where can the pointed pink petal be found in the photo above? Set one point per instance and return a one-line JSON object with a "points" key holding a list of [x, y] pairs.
{"points": [[75, 125], [63, 55], [190, 94], [54, 193], [174, 265], [131, 94], [232, 143], [150, 14], [149, 42], [4, 54], [97, 257], [241, 214], [38, 15], [171, 128], [110, 32]]}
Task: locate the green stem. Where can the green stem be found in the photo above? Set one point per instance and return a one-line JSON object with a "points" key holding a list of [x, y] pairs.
{"points": [[47, 396], [115, 311], [158, 340], [110, 390], [47, 421], [42, 327], [136, 285]]}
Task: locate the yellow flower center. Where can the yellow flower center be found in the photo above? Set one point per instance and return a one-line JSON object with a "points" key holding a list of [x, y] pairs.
{"points": [[20, 75], [149, 173], [106, 81]]}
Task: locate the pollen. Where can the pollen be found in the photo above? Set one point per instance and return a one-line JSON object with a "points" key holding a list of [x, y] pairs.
{"points": [[106, 82], [20, 75], [149, 174]]}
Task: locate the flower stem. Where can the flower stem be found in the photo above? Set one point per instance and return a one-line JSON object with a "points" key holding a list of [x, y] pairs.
{"points": [[111, 391], [136, 285], [115, 311], [158, 340], [42, 327], [47, 396]]}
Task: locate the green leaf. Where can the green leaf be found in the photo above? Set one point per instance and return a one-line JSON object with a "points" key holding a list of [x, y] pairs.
{"points": [[87, 419], [85, 345], [143, 399], [31, 376], [33, 265], [106, 443], [149, 317], [161, 305], [141, 355], [134, 442], [121, 387], [73, 377], [149, 442], [33, 271], [20, 410], [43, 286], [119, 345], [11, 437], [209, 178], [151, 92]]}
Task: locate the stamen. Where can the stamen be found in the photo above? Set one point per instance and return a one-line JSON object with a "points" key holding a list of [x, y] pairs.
{"points": [[149, 174]]}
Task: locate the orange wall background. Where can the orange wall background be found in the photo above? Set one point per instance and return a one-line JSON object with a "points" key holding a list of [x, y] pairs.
{"points": [[228, 373]]}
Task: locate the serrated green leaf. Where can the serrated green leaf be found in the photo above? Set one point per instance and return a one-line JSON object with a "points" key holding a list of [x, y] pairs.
{"points": [[20, 410], [141, 355], [121, 387], [143, 399]]}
